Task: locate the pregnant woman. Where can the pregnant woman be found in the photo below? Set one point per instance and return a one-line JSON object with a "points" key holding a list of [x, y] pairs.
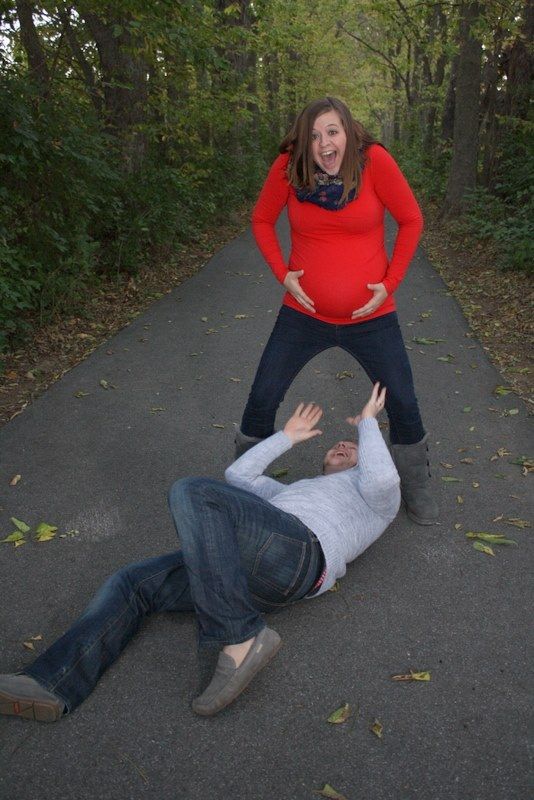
{"points": [[337, 182]]}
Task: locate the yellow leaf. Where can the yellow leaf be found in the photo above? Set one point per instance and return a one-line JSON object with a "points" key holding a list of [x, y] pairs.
{"points": [[459, 499], [45, 532], [483, 548], [28, 645], [19, 542], [340, 715], [412, 676], [457, 526], [329, 791], [377, 728], [518, 523]]}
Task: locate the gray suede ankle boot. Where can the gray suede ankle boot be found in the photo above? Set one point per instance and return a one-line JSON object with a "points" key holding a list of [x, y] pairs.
{"points": [[243, 443], [413, 467]]}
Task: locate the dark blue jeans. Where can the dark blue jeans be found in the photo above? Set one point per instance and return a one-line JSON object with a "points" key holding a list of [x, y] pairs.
{"points": [[376, 344], [239, 556]]}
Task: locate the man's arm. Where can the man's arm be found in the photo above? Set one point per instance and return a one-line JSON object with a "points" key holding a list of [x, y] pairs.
{"points": [[246, 472], [377, 477]]}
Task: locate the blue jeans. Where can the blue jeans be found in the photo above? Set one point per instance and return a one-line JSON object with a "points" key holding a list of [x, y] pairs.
{"points": [[376, 344], [239, 556]]}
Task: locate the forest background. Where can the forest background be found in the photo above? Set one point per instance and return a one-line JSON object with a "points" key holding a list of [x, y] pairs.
{"points": [[134, 136]]}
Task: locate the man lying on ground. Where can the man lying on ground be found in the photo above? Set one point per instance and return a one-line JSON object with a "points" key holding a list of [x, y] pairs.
{"points": [[248, 546]]}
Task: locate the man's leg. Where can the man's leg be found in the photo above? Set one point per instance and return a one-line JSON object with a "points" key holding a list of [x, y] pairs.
{"points": [[71, 667], [296, 338], [242, 555]]}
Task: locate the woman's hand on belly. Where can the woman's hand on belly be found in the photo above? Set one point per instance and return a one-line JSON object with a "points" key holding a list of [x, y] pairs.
{"points": [[291, 282], [379, 295]]}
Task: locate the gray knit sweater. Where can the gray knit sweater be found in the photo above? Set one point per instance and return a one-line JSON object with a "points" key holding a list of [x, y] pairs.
{"points": [[347, 511]]}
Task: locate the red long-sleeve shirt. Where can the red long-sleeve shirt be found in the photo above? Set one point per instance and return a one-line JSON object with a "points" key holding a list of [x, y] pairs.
{"points": [[341, 251]]}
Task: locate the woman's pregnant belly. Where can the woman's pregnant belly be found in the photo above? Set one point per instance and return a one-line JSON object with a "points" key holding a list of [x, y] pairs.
{"points": [[337, 284]]}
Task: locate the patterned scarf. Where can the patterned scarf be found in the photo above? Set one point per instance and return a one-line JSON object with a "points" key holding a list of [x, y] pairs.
{"points": [[327, 192]]}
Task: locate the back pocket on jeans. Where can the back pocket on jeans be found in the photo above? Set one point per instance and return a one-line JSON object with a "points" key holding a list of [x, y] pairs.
{"points": [[279, 563]]}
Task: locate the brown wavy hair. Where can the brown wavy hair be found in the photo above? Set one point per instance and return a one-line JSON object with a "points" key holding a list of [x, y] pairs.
{"points": [[301, 168]]}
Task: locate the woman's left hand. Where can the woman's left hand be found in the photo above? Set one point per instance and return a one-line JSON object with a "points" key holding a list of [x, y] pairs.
{"points": [[379, 295]]}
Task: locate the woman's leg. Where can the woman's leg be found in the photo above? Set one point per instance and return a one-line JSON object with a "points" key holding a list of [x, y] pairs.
{"points": [[379, 347], [296, 338], [71, 667]]}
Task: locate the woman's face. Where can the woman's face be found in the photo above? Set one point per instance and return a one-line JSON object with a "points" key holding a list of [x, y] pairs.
{"points": [[328, 142]]}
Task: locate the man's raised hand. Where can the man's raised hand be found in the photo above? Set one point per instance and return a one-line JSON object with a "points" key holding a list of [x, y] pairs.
{"points": [[301, 424], [373, 407]]}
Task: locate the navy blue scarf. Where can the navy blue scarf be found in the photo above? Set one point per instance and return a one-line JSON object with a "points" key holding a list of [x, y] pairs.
{"points": [[327, 192]]}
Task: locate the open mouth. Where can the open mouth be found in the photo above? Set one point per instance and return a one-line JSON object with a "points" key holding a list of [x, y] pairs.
{"points": [[328, 159]]}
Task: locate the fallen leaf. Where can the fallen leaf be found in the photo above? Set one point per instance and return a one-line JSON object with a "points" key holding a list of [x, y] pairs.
{"points": [[501, 391], [279, 473], [450, 479], [457, 526], [19, 542], [511, 412], [517, 522], [340, 715], [336, 587], [344, 374], [492, 538], [447, 359], [28, 645], [210, 330], [81, 394], [446, 465], [21, 526], [37, 638], [467, 409], [236, 380], [467, 461], [45, 532], [425, 340], [215, 425], [483, 548], [425, 314], [412, 676], [14, 480], [475, 485], [329, 791], [240, 316], [104, 384], [203, 319], [16, 536], [459, 499], [377, 728]]}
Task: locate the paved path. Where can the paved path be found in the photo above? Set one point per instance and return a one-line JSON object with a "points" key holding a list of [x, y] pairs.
{"points": [[419, 598]]}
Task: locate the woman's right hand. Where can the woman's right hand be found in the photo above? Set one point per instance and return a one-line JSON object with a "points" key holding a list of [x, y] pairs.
{"points": [[291, 282]]}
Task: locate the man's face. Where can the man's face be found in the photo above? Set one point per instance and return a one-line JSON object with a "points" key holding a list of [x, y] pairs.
{"points": [[342, 455]]}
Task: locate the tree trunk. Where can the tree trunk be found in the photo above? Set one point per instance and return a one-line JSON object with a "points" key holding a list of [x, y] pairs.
{"points": [[463, 169], [447, 120], [125, 83], [520, 67], [31, 43]]}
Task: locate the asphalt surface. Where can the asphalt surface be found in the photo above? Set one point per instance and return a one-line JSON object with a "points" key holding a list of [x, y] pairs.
{"points": [[420, 598]]}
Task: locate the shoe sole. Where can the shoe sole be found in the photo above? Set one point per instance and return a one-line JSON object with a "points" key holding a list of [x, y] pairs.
{"points": [[417, 519], [203, 712], [37, 710]]}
